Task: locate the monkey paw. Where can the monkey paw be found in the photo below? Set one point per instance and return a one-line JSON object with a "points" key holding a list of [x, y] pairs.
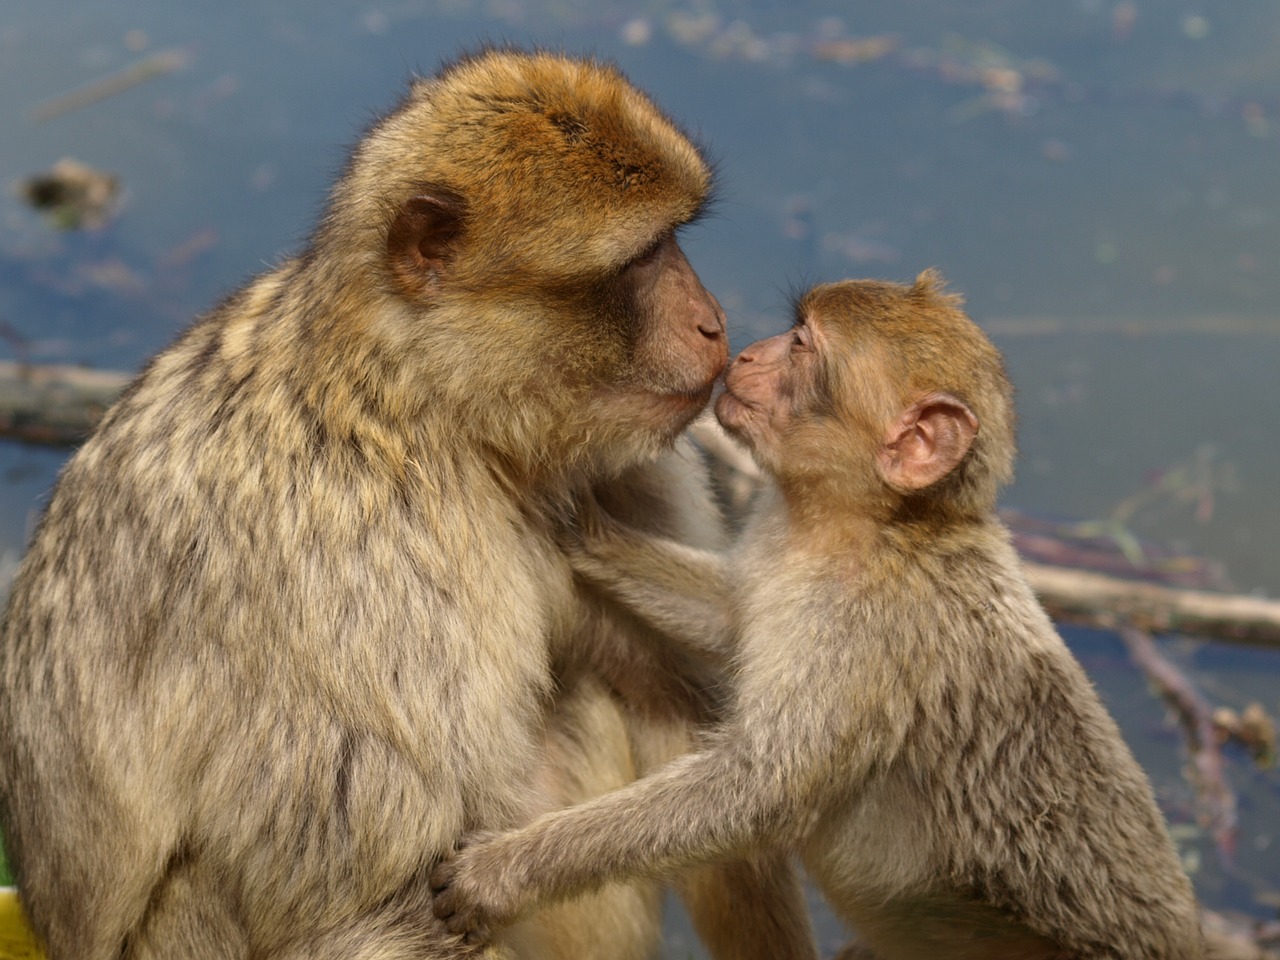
{"points": [[593, 537], [474, 892], [582, 524]]}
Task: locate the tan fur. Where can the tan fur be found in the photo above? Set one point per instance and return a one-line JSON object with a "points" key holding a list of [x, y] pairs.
{"points": [[295, 619], [906, 716]]}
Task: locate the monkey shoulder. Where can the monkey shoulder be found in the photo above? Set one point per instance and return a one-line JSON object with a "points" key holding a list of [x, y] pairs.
{"points": [[219, 497]]}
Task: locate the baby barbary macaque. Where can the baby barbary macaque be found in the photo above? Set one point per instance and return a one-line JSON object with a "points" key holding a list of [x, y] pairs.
{"points": [[906, 716]]}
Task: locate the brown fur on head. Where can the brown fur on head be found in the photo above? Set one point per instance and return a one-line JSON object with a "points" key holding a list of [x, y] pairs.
{"points": [[565, 167], [902, 344], [486, 227]]}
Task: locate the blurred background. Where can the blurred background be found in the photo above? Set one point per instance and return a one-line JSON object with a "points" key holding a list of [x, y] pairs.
{"points": [[1099, 179]]}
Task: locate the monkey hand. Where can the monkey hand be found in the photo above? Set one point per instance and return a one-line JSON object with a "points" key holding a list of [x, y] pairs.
{"points": [[476, 889], [592, 536], [582, 522]]}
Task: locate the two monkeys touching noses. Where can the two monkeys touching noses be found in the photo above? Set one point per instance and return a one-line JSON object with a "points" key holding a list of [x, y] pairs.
{"points": [[389, 614]]}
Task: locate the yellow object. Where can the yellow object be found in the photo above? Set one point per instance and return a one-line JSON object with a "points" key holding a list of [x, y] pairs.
{"points": [[17, 942]]}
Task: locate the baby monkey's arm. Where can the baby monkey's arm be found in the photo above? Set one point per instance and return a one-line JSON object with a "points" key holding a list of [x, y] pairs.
{"points": [[699, 808], [681, 591]]}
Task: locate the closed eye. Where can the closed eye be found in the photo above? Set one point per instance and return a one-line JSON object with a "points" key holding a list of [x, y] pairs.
{"points": [[651, 253], [801, 338]]}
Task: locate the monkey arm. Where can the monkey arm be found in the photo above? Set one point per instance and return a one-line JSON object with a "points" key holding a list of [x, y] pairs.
{"points": [[698, 808], [681, 591], [761, 782]]}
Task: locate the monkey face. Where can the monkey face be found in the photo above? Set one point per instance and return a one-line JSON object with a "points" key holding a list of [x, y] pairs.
{"points": [[658, 349], [529, 280], [771, 385], [870, 386]]}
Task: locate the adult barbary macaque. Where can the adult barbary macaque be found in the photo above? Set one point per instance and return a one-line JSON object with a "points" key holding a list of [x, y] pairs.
{"points": [[295, 618], [905, 715]]}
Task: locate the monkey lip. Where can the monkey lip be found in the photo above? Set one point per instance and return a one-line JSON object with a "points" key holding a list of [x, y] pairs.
{"points": [[667, 409], [731, 410], [660, 401], [698, 396]]}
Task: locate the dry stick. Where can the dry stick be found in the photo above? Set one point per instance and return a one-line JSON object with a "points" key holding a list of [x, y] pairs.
{"points": [[154, 65], [54, 405], [1092, 599], [1215, 798]]}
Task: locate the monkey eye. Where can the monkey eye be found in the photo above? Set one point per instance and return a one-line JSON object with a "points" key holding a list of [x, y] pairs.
{"points": [[800, 337]]}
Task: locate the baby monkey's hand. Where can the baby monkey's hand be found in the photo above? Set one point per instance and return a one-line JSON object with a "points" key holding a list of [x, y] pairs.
{"points": [[475, 890], [592, 536]]}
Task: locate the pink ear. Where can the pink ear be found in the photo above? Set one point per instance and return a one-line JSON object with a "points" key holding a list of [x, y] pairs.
{"points": [[929, 440]]}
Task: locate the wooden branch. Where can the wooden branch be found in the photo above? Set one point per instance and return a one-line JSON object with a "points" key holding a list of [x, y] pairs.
{"points": [[54, 405], [1092, 599], [1214, 796]]}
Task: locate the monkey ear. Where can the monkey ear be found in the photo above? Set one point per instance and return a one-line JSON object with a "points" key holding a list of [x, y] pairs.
{"points": [[927, 442], [420, 243]]}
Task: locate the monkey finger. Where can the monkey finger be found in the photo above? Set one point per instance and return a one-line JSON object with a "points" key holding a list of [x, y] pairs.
{"points": [[466, 925], [459, 915], [444, 904], [591, 518], [442, 876]]}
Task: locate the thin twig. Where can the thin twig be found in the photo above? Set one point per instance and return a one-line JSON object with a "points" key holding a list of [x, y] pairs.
{"points": [[153, 65], [1215, 798]]}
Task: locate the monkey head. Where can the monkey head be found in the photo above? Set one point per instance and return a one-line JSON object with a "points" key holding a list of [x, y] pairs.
{"points": [[510, 233], [886, 390]]}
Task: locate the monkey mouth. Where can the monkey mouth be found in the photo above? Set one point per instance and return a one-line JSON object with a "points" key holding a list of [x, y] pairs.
{"points": [[731, 410], [697, 396], [688, 404]]}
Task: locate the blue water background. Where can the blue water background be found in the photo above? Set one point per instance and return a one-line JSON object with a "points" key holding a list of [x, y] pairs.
{"points": [[1100, 179]]}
